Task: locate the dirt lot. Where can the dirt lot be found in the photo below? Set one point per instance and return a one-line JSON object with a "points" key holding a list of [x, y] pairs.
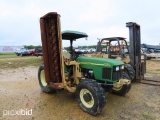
{"points": [[19, 89]]}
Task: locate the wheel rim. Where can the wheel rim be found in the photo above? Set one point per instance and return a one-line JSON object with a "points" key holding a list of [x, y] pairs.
{"points": [[86, 98], [43, 79], [117, 87]]}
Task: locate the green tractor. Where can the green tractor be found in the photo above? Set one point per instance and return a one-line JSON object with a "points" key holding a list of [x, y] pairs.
{"points": [[87, 77]]}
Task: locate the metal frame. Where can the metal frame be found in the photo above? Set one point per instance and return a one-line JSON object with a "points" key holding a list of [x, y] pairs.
{"points": [[135, 50]]}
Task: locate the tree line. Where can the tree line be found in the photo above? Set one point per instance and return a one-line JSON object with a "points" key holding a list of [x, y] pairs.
{"points": [[32, 46]]}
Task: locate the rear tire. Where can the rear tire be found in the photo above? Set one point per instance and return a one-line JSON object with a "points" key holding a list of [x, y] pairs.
{"points": [[124, 89], [91, 97], [42, 80], [130, 71]]}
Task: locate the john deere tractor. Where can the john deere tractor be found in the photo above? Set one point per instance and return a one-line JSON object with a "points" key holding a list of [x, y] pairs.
{"points": [[87, 77]]}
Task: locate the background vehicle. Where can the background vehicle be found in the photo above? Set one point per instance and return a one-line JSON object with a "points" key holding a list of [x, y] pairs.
{"points": [[38, 52], [85, 76], [92, 50], [64, 50], [22, 52], [84, 50], [77, 50], [151, 51], [32, 51]]}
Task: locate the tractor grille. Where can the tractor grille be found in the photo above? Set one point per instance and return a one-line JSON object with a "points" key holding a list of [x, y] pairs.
{"points": [[106, 73], [116, 75]]}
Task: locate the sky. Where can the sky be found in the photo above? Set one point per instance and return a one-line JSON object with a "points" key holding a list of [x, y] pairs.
{"points": [[19, 19]]}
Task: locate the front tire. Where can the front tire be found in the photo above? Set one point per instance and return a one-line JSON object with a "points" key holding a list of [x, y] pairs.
{"points": [[91, 97], [124, 88], [42, 80]]}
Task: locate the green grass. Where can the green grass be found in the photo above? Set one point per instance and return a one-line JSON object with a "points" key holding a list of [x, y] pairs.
{"points": [[148, 116], [7, 55], [17, 62]]}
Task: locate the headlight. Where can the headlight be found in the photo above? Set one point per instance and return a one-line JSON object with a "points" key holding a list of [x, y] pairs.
{"points": [[122, 67], [117, 68]]}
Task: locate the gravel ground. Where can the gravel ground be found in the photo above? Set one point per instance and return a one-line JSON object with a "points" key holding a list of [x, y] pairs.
{"points": [[19, 90]]}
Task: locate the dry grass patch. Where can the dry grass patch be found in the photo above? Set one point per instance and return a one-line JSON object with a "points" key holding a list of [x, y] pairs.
{"points": [[153, 66]]}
